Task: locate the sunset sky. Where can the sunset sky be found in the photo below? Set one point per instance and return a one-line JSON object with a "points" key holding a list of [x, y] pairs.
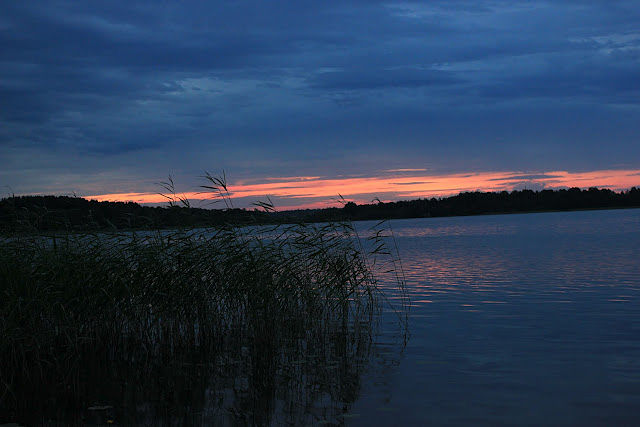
{"points": [[304, 100]]}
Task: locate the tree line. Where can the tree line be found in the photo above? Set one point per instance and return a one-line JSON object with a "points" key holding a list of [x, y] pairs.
{"points": [[44, 213]]}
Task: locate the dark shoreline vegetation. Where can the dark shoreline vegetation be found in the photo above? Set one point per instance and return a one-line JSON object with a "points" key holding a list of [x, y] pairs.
{"points": [[226, 324], [46, 213]]}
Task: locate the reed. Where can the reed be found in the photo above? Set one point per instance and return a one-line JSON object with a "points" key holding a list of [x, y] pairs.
{"points": [[283, 316]]}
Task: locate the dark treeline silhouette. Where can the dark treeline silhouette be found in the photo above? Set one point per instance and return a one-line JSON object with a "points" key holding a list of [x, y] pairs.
{"points": [[27, 213], [24, 213], [479, 203]]}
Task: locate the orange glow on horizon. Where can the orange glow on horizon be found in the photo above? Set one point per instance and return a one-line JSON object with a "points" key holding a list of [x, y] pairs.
{"points": [[362, 190]]}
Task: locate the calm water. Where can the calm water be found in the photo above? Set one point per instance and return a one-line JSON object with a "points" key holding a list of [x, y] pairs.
{"points": [[529, 319]]}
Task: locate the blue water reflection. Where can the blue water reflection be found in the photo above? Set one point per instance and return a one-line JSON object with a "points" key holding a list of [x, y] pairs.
{"points": [[516, 319]]}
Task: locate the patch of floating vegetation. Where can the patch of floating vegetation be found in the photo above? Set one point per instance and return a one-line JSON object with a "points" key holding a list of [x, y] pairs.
{"points": [[215, 325]]}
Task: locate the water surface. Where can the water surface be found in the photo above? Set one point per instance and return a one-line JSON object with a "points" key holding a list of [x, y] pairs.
{"points": [[528, 319]]}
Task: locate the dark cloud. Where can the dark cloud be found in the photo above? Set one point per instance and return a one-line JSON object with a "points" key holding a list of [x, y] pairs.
{"points": [[139, 88], [381, 79], [527, 177], [412, 183]]}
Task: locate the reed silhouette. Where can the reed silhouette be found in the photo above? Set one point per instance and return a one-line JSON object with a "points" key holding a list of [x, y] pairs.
{"points": [[226, 324]]}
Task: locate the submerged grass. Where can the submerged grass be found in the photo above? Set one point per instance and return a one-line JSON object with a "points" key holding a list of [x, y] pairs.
{"points": [[260, 325]]}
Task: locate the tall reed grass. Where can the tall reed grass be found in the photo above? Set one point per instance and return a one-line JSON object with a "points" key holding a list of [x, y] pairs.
{"points": [[257, 325]]}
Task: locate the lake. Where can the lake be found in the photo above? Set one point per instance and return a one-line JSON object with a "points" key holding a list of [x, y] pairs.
{"points": [[515, 319], [526, 319]]}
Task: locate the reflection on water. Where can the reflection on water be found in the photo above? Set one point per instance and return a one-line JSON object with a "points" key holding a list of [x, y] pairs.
{"points": [[517, 319], [288, 372]]}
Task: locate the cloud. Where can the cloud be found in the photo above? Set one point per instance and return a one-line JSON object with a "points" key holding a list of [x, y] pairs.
{"points": [[381, 79], [310, 191], [528, 177], [321, 88]]}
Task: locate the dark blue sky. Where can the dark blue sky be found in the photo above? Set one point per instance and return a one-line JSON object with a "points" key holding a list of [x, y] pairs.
{"points": [[106, 97]]}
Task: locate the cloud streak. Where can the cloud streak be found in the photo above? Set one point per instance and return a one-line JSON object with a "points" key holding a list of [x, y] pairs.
{"points": [[302, 192]]}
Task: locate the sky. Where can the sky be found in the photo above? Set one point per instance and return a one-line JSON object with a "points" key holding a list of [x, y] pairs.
{"points": [[306, 100]]}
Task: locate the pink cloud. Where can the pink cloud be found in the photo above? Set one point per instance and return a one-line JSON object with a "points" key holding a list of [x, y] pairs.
{"points": [[304, 192]]}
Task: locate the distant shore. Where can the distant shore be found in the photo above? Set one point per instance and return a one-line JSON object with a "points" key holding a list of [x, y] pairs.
{"points": [[50, 213], [529, 212]]}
